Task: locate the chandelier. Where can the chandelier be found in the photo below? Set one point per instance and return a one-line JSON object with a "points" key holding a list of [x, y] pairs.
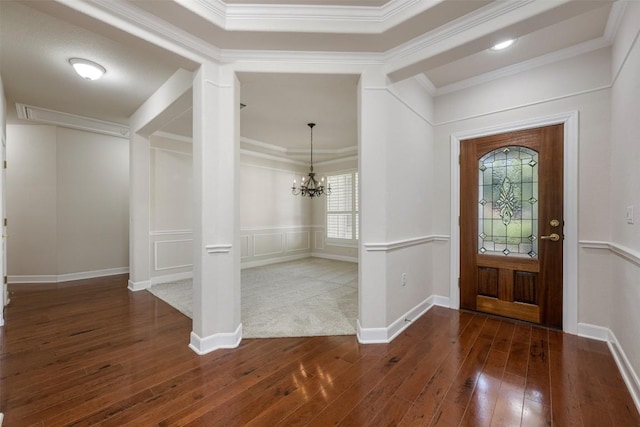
{"points": [[310, 187]]}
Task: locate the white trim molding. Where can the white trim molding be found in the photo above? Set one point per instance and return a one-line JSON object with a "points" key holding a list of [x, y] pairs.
{"points": [[218, 249], [405, 243], [53, 278], [216, 341], [68, 120], [622, 251], [168, 278], [269, 261], [169, 232], [156, 249], [386, 335], [570, 178], [140, 285], [629, 375], [334, 257]]}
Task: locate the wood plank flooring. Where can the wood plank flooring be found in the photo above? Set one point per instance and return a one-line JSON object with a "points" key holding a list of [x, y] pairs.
{"points": [[94, 353]]}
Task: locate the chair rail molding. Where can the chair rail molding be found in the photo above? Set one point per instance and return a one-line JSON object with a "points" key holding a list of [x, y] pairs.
{"points": [[404, 243], [629, 254]]}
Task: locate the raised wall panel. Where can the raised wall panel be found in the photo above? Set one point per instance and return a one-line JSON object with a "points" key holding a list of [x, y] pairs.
{"points": [[488, 281], [319, 240], [244, 246], [524, 287], [268, 244], [171, 254], [297, 241]]}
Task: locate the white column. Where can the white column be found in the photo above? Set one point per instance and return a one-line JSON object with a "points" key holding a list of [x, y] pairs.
{"points": [[372, 147], [139, 257], [216, 272]]}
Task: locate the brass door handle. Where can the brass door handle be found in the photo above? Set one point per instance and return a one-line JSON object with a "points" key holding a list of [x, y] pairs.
{"points": [[554, 237]]}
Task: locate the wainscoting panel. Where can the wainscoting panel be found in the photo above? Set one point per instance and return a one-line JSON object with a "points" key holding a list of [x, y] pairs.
{"points": [[245, 249], [319, 240], [268, 244], [171, 254], [297, 241]]}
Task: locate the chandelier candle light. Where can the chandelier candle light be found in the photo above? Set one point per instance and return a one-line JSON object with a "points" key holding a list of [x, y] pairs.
{"points": [[311, 187]]}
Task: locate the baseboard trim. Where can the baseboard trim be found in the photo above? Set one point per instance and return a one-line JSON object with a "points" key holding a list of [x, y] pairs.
{"points": [[626, 370], [168, 278], [19, 280], [334, 257], [214, 342], [269, 261], [139, 286], [595, 332], [386, 335], [67, 277]]}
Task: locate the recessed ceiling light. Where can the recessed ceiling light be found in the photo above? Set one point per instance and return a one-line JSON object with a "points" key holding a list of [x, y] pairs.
{"points": [[87, 69], [503, 45]]}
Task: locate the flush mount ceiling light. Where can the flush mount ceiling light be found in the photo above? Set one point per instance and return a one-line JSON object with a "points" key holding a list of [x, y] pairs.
{"points": [[87, 69], [503, 45]]}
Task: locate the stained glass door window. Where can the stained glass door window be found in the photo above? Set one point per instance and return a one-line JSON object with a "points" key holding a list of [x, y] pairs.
{"points": [[508, 202]]}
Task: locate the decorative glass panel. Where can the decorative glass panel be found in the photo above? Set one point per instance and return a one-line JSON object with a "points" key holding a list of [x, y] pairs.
{"points": [[508, 202]]}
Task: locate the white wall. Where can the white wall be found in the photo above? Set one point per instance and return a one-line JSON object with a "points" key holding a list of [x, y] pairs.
{"points": [[171, 209], [3, 129], [624, 283], [32, 207], [274, 224], [67, 203], [396, 181], [410, 202]]}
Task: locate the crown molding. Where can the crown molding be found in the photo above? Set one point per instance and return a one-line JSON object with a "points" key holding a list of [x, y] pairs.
{"points": [[57, 118], [272, 157], [264, 145], [331, 151], [455, 28], [277, 150], [307, 18], [174, 136], [424, 81], [133, 20], [309, 57], [520, 67], [615, 19]]}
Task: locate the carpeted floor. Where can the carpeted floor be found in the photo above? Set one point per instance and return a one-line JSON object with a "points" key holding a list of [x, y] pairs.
{"points": [[308, 297]]}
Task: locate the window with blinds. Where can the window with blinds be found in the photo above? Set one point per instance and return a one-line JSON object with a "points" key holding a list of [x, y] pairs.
{"points": [[342, 207]]}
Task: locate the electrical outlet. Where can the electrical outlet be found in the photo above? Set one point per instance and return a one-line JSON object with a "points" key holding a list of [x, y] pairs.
{"points": [[629, 214], [404, 279]]}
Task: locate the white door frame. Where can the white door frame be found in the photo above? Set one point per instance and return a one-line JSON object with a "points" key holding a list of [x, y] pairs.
{"points": [[4, 297], [570, 249]]}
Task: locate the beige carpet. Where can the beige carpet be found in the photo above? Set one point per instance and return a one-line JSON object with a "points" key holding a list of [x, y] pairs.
{"points": [[308, 297]]}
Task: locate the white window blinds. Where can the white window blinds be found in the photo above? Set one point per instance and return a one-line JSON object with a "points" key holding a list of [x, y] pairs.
{"points": [[342, 207]]}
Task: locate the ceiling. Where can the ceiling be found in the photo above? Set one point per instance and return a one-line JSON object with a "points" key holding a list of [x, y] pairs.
{"points": [[444, 42]]}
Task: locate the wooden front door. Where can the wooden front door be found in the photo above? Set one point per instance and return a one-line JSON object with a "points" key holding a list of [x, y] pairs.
{"points": [[511, 221]]}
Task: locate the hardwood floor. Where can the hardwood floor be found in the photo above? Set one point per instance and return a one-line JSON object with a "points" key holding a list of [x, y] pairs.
{"points": [[93, 353]]}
